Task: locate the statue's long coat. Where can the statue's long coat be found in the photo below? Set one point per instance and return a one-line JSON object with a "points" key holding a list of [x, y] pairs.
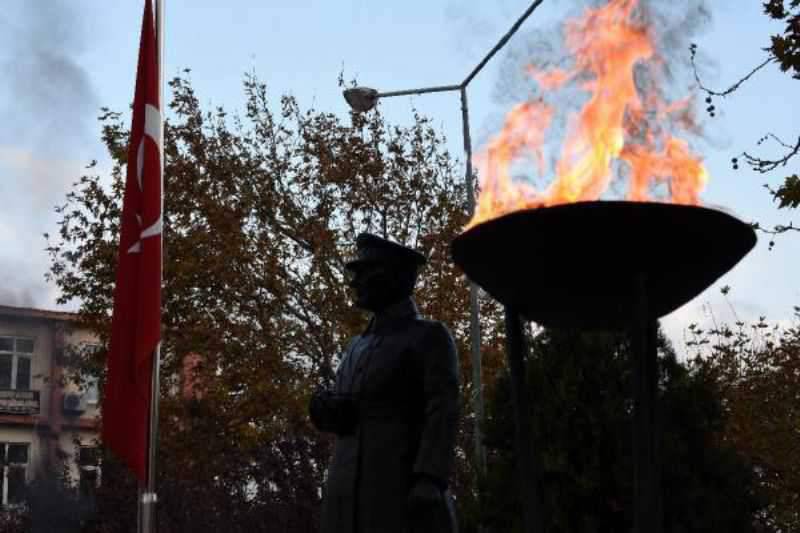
{"points": [[404, 370]]}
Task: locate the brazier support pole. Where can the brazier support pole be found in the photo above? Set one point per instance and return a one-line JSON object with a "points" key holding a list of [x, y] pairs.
{"points": [[516, 350], [647, 482]]}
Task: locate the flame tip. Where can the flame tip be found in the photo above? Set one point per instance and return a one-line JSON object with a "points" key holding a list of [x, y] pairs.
{"points": [[618, 122]]}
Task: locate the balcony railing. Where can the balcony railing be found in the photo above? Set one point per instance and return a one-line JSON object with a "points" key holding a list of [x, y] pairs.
{"points": [[19, 402]]}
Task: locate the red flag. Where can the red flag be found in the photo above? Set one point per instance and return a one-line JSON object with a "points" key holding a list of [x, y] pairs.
{"points": [[136, 322]]}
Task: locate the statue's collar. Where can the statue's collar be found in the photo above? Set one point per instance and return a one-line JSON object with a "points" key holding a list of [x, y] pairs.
{"points": [[405, 308]]}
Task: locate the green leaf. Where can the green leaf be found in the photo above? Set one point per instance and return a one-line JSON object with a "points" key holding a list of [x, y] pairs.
{"points": [[788, 194]]}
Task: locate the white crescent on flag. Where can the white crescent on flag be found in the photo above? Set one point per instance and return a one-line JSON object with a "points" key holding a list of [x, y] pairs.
{"points": [[152, 129]]}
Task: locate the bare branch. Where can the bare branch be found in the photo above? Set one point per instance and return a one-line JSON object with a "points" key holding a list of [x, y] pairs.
{"points": [[777, 139], [776, 230], [767, 165], [735, 86]]}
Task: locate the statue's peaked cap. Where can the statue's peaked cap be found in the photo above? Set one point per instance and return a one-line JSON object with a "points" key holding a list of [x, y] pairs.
{"points": [[373, 249]]}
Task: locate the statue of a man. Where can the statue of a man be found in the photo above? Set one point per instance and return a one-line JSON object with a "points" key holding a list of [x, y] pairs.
{"points": [[394, 406]]}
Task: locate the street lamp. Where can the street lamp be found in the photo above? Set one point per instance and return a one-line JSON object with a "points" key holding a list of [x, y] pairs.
{"points": [[362, 99]]}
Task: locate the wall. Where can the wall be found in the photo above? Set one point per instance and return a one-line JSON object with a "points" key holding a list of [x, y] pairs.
{"points": [[51, 430]]}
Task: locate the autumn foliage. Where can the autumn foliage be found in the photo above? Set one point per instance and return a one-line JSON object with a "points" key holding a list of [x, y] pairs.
{"points": [[756, 368], [261, 210]]}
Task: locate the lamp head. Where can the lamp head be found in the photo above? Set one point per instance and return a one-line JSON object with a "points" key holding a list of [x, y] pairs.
{"points": [[361, 99]]}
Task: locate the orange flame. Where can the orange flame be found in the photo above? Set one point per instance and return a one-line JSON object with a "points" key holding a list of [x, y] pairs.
{"points": [[618, 122]]}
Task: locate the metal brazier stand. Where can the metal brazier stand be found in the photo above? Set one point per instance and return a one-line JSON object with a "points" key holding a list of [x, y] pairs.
{"points": [[600, 265]]}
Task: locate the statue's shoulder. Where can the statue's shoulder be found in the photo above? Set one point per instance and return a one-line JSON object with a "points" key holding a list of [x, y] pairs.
{"points": [[428, 324], [434, 329]]}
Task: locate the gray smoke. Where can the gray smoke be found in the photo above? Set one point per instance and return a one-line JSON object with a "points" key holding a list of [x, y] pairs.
{"points": [[674, 25], [47, 109], [48, 101], [18, 296]]}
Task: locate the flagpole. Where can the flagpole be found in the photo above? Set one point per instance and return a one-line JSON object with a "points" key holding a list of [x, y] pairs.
{"points": [[148, 497]]}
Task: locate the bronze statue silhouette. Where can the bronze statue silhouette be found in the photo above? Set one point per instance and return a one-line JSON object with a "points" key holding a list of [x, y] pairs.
{"points": [[393, 407]]}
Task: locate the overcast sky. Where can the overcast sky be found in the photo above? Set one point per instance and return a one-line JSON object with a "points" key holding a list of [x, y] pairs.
{"points": [[61, 60]]}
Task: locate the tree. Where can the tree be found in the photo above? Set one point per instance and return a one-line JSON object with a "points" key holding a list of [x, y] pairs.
{"points": [[784, 50], [755, 366], [260, 214], [756, 369], [581, 407]]}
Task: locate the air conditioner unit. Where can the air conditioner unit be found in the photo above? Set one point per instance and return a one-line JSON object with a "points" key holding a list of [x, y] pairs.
{"points": [[74, 404]]}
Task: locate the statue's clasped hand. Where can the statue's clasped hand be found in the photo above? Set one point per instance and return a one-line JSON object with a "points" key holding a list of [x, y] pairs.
{"points": [[424, 496]]}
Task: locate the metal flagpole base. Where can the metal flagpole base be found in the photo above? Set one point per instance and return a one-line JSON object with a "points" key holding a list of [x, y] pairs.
{"points": [[147, 493], [147, 511]]}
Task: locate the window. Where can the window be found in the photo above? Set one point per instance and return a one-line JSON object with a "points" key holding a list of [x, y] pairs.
{"points": [[15, 363], [88, 456], [88, 384], [15, 470], [90, 392], [89, 471]]}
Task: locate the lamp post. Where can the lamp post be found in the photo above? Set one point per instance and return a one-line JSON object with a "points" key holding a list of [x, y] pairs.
{"points": [[362, 99]]}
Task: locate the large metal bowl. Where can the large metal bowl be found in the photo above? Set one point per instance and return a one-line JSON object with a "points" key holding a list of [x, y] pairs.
{"points": [[577, 264]]}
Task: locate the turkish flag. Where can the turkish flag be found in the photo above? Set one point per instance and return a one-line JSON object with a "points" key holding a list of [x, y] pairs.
{"points": [[136, 322]]}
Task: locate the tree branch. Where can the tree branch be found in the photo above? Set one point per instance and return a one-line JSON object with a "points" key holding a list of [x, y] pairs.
{"points": [[776, 230], [732, 88], [767, 165], [777, 139]]}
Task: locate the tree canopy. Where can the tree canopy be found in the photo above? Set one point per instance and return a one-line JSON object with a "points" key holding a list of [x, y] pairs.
{"points": [[581, 406], [261, 211], [756, 371]]}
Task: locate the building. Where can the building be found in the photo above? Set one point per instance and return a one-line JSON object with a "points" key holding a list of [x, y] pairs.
{"points": [[46, 419]]}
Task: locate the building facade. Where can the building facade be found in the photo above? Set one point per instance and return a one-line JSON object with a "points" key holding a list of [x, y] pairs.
{"points": [[47, 419]]}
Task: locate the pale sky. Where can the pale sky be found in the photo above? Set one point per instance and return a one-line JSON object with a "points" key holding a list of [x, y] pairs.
{"points": [[61, 60]]}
